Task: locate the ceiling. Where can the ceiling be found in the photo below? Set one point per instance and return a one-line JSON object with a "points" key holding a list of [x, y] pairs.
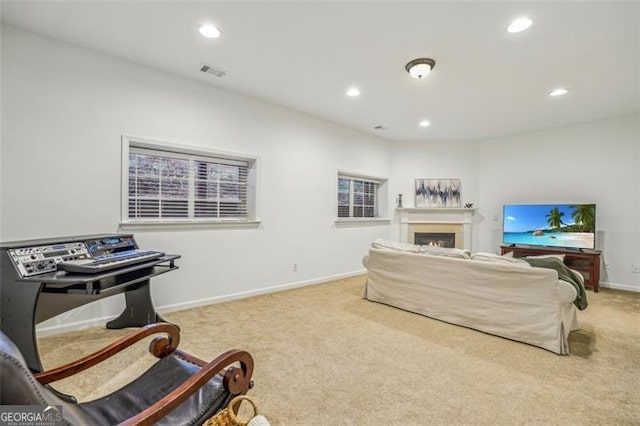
{"points": [[305, 55]]}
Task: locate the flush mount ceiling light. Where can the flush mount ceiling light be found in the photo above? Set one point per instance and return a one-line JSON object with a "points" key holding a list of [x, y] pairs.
{"points": [[559, 91], [420, 67], [425, 123], [353, 92], [209, 31], [519, 24]]}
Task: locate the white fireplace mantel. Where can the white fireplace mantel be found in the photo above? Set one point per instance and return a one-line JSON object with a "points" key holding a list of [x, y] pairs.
{"points": [[440, 215]]}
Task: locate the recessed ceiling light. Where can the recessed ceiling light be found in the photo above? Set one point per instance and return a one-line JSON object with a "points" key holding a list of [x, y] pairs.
{"points": [[353, 92], [519, 24], [559, 92], [425, 123], [209, 31]]}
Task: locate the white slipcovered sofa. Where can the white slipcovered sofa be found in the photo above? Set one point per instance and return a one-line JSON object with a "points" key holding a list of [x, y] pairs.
{"points": [[507, 298]]}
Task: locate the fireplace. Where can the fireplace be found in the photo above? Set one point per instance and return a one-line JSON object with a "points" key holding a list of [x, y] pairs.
{"points": [[435, 239], [456, 221]]}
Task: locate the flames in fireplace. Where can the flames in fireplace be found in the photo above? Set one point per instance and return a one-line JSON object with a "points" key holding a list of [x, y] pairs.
{"points": [[435, 239]]}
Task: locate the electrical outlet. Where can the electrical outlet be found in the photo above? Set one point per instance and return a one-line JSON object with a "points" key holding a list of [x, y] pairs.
{"points": [[635, 269], [295, 267], [495, 217], [607, 265]]}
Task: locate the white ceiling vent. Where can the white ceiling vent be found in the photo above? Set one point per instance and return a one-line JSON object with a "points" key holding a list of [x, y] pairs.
{"points": [[210, 70]]}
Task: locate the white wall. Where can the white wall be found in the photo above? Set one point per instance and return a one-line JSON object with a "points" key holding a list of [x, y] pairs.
{"points": [[413, 160], [597, 162], [64, 110]]}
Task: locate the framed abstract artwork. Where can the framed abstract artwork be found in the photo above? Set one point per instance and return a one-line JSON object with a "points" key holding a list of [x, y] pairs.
{"points": [[438, 193]]}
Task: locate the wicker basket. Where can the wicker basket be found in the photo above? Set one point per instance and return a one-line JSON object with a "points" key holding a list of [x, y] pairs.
{"points": [[229, 417]]}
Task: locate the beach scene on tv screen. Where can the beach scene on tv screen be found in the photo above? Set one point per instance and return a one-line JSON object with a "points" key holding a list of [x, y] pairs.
{"points": [[554, 225]]}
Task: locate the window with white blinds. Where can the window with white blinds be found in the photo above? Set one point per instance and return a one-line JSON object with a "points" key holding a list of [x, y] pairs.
{"points": [[357, 197], [171, 186]]}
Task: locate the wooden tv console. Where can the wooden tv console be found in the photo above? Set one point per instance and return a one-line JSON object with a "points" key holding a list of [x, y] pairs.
{"points": [[587, 262]]}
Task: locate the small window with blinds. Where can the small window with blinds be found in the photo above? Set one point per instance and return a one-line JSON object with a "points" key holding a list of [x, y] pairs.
{"points": [[357, 196], [166, 184]]}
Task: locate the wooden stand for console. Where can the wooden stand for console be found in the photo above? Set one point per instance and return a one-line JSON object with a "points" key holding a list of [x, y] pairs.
{"points": [[586, 262]]}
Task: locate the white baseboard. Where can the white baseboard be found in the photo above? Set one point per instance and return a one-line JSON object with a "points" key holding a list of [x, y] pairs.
{"points": [[616, 286], [257, 292], [53, 330]]}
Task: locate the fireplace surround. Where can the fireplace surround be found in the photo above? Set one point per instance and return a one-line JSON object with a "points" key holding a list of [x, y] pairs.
{"points": [[458, 221]]}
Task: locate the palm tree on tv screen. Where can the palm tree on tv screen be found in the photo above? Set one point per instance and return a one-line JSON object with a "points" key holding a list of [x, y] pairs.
{"points": [[584, 215], [554, 218]]}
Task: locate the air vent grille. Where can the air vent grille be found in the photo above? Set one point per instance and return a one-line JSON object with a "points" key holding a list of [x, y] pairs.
{"points": [[214, 71]]}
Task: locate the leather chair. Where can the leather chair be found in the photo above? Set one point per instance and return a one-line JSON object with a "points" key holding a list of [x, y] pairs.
{"points": [[179, 389]]}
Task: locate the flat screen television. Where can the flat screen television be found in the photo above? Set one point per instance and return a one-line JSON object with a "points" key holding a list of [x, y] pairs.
{"points": [[551, 225]]}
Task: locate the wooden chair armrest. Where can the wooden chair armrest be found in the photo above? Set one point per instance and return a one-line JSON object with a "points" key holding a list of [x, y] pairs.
{"points": [[160, 347], [236, 381]]}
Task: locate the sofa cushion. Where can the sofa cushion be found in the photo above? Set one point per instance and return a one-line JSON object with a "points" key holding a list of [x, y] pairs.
{"points": [[444, 251], [492, 257], [395, 245]]}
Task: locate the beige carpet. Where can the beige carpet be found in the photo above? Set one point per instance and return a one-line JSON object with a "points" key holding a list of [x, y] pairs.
{"points": [[324, 356]]}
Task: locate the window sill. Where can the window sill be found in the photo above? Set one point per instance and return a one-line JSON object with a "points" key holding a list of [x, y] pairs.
{"points": [[201, 224], [358, 220]]}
